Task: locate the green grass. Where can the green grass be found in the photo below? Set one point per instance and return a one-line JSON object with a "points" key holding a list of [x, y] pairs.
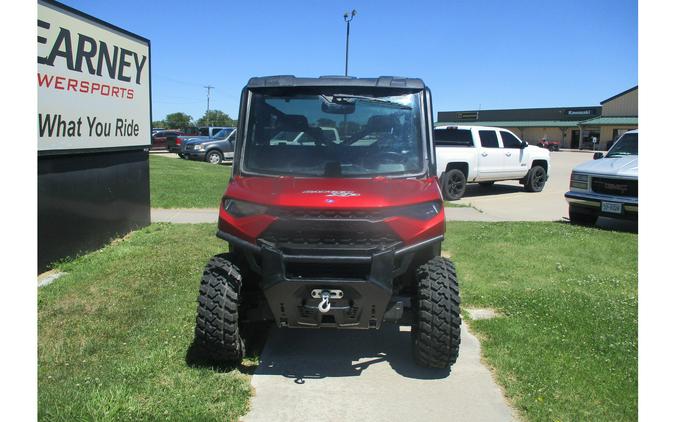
{"points": [[115, 331], [566, 347], [176, 183]]}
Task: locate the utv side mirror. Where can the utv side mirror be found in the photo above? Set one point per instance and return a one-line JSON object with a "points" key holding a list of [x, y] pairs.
{"points": [[598, 155], [523, 145]]}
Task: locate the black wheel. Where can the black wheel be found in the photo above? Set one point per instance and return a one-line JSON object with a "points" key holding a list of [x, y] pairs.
{"points": [[536, 179], [486, 184], [436, 317], [453, 184], [217, 331], [582, 218], [214, 157]]}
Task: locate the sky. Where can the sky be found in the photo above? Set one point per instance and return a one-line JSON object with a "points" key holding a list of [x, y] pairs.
{"points": [[490, 54]]}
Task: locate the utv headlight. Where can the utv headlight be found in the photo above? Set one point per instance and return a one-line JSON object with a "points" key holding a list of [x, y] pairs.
{"points": [[579, 181], [242, 209], [423, 211]]}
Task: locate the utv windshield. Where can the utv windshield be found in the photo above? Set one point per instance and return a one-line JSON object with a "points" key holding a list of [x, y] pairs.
{"points": [[627, 145], [334, 134]]}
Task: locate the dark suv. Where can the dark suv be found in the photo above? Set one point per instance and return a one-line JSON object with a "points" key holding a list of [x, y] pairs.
{"points": [[328, 229], [214, 150]]}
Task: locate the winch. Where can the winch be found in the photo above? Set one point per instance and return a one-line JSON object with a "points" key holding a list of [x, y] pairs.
{"points": [[326, 295]]}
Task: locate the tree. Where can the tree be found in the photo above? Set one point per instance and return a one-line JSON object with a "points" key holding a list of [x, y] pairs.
{"points": [[216, 118], [158, 123], [177, 121]]}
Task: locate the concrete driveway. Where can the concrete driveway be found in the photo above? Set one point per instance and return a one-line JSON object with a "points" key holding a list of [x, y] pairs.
{"points": [[336, 375]]}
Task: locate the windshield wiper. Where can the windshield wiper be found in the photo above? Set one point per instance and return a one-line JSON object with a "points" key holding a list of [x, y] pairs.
{"points": [[337, 97]]}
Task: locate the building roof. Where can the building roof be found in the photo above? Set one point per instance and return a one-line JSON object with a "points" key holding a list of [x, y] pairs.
{"points": [[620, 94], [514, 123], [610, 121]]}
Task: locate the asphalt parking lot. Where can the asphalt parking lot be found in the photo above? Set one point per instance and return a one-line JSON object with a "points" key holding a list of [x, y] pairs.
{"points": [[507, 201]]}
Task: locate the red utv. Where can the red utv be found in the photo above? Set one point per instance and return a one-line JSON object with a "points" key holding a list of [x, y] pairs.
{"points": [[333, 227], [549, 145]]}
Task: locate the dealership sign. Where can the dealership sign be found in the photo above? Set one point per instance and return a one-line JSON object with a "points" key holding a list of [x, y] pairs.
{"points": [[93, 83]]}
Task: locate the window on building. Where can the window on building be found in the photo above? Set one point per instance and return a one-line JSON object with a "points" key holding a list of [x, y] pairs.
{"points": [[508, 140], [488, 138], [453, 137]]}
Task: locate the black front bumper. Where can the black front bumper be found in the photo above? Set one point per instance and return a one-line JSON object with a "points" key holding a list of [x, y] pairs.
{"points": [[366, 280]]}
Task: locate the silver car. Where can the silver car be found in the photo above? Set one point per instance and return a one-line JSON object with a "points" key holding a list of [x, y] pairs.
{"points": [[608, 185]]}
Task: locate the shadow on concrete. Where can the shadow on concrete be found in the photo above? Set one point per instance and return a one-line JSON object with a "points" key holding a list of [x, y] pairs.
{"points": [[474, 189], [302, 354]]}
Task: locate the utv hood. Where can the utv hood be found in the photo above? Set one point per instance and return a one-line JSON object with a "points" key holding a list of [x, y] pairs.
{"points": [[337, 193]]}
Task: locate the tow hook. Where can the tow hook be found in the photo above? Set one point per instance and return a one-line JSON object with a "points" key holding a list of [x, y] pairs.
{"points": [[326, 295], [324, 305]]}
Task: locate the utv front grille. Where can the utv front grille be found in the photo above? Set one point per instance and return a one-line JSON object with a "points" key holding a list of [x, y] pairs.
{"points": [[291, 213], [308, 237], [616, 187], [323, 230]]}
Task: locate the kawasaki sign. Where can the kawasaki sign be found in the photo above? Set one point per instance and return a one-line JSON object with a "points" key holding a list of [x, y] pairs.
{"points": [[93, 83]]}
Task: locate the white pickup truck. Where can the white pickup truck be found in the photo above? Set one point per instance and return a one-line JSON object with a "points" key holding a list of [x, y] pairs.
{"points": [[466, 154]]}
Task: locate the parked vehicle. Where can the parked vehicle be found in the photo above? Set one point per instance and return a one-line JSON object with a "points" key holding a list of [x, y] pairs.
{"points": [[484, 155], [214, 150], [549, 145], [328, 234], [159, 138], [174, 143], [607, 185]]}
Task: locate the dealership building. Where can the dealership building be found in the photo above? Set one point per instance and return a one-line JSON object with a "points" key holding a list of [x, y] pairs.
{"points": [[573, 127]]}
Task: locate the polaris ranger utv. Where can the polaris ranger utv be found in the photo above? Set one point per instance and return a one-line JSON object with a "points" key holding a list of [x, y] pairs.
{"points": [[340, 230]]}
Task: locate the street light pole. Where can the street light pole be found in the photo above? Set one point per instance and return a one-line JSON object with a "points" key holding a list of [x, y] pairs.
{"points": [[348, 19]]}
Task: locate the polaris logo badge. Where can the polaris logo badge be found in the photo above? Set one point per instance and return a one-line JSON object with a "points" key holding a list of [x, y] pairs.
{"points": [[334, 193]]}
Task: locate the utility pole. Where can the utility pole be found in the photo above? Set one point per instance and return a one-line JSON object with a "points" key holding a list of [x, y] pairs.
{"points": [[208, 99], [348, 19]]}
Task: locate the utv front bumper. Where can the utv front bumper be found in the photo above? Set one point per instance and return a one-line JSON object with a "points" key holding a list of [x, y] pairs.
{"points": [[363, 277]]}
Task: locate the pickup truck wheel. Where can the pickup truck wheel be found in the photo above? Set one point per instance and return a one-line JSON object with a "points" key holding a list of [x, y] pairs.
{"points": [[214, 157], [536, 179], [453, 184], [436, 318], [582, 218], [217, 334], [486, 184]]}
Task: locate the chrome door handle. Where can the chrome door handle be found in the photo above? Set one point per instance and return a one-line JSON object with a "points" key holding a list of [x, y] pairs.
{"points": [[484, 154]]}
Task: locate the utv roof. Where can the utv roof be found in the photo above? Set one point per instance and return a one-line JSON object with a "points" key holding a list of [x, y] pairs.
{"points": [[291, 81]]}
